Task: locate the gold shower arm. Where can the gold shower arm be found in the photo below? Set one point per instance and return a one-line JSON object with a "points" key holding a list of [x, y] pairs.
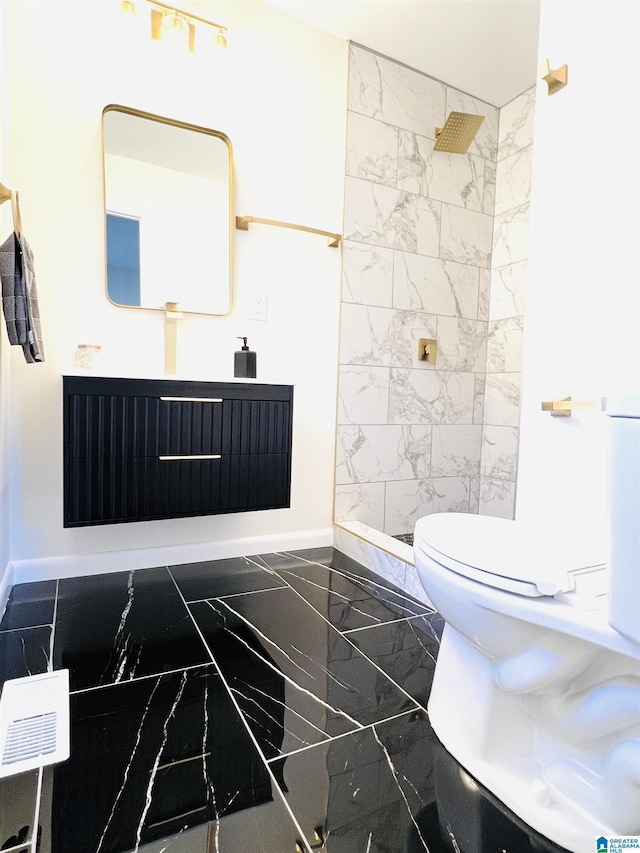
{"points": [[562, 408], [242, 224]]}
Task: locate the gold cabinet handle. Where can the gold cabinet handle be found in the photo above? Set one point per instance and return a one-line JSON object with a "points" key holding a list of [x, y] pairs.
{"points": [[562, 408], [189, 457], [192, 399]]}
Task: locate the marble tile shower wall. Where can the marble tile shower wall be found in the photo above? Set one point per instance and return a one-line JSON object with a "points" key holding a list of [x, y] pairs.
{"points": [[501, 418], [424, 257]]}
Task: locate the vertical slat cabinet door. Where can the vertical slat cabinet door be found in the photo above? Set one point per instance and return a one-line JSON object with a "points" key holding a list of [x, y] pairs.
{"points": [[256, 441], [138, 450]]}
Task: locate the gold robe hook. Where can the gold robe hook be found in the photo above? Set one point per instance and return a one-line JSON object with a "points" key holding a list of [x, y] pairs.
{"points": [[556, 79]]}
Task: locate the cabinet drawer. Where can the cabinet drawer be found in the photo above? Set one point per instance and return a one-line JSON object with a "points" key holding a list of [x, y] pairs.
{"points": [[114, 427], [118, 490]]}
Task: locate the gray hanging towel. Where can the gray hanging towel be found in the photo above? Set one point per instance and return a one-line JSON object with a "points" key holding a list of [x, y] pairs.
{"points": [[20, 297]]}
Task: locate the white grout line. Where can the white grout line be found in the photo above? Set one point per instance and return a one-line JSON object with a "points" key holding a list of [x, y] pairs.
{"points": [[330, 738], [274, 782], [189, 668]]}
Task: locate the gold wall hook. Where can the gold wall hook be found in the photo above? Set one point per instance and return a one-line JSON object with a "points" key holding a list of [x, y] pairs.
{"points": [[556, 78]]}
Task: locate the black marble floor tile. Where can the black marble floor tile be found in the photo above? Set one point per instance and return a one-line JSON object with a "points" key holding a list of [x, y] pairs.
{"points": [[116, 627], [369, 785], [216, 578], [326, 686], [320, 723], [325, 556], [346, 599], [29, 604], [154, 756], [405, 650], [24, 652], [478, 821]]}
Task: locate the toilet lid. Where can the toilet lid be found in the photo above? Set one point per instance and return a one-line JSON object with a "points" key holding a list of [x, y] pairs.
{"points": [[523, 558]]}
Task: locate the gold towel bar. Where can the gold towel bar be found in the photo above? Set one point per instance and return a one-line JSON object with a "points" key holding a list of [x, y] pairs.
{"points": [[562, 408], [242, 224]]}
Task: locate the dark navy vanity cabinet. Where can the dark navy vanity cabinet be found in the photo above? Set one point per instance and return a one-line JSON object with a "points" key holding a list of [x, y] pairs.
{"points": [[138, 449]]}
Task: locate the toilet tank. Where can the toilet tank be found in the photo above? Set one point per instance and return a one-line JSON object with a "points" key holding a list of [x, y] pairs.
{"points": [[624, 515]]}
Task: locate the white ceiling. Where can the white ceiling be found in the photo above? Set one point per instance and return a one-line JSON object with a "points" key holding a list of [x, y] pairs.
{"points": [[487, 48]]}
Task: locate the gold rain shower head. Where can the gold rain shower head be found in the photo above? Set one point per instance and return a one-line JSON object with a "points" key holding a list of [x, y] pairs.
{"points": [[458, 133]]}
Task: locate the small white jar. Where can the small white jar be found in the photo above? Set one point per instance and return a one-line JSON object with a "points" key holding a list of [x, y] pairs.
{"points": [[86, 356]]}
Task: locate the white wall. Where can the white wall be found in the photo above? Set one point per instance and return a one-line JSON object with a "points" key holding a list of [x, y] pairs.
{"points": [[7, 227], [280, 95], [582, 326]]}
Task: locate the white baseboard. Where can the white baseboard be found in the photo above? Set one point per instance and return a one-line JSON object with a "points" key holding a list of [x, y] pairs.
{"points": [[5, 587], [78, 565]]}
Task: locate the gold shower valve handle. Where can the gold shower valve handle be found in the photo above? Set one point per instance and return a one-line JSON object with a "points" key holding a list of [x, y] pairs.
{"points": [[427, 350], [556, 78]]}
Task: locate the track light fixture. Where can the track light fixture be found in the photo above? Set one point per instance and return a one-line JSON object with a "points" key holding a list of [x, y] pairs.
{"points": [[170, 23]]}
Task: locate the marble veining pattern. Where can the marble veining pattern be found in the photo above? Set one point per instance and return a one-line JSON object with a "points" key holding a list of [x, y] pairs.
{"points": [[516, 124], [454, 178], [367, 274], [382, 216], [436, 247], [428, 397], [435, 286], [500, 452], [383, 89], [508, 291], [372, 150], [504, 345], [511, 236], [489, 196], [382, 452], [463, 344], [484, 288], [497, 497], [502, 399], [361, 502], [382, 336], [455, 450], [513, 180], [409, 500], [358, 541], [466, 236], [308, 720], [364, 395]]}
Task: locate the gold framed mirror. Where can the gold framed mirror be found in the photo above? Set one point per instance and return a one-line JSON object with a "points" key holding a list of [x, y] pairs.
{"points": [[168, 204]]}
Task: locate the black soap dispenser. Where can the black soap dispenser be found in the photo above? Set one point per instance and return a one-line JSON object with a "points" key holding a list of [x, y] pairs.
{"points": [[244, 362]]}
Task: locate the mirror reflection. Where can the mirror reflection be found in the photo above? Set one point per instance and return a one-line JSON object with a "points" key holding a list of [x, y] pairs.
{"points": [[168, 192]]}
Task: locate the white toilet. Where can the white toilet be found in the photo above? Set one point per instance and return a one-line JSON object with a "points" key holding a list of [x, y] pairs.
{"points": [[537, 683]]}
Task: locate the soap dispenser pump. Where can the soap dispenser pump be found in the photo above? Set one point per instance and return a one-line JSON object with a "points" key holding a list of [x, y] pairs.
{"points": [[244, 362]]}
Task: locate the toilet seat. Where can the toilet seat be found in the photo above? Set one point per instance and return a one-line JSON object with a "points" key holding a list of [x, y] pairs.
{"points": [[521, 558]]}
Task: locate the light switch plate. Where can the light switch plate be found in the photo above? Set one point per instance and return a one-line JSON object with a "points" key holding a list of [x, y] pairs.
{"points": [[259, 308]]}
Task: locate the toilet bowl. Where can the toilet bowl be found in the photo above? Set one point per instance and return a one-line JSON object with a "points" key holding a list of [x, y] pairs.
{"points": [[537, 684]]}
